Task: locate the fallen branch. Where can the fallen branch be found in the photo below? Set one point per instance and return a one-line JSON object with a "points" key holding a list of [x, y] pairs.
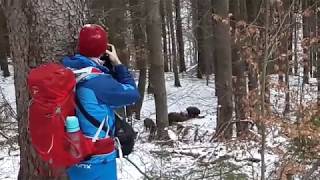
{"points": [[162, 152], [5, 136], [144, 174], [227, 157], [6, 105]]}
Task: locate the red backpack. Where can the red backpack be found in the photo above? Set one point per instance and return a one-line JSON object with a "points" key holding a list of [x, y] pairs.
{"points": [[52, 88]]}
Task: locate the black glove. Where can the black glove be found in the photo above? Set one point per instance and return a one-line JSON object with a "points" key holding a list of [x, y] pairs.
{"points": [[107, 62]]}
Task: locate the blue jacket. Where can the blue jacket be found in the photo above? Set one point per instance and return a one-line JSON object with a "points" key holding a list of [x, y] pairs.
{"points": [[100, 94]]}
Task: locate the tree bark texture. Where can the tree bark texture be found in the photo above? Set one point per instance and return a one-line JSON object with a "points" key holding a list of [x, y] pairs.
{"points": [[239, 11], [136, 8], [182, 63], [157, 67], [173, 41], [223, 67], [39, 31], [112, 14], [164, 34], [204, 37]]}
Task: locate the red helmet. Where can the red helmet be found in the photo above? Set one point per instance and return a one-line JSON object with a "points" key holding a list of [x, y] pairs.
{"points": [[93, 40]]}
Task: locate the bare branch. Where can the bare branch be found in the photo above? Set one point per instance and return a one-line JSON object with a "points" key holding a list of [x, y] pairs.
{"points": [[144, 174]]}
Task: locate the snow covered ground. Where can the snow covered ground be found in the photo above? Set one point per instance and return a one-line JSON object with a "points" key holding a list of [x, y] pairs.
{"points": [[9, 160], [191, 155], [194, 92]]}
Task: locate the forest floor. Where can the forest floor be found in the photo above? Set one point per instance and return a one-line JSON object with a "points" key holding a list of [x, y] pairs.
{"points": [[191, 154]]}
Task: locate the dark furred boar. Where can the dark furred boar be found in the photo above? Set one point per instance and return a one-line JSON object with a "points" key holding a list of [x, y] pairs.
{"points": [[149, 124], [177, 117], [193, 112]]}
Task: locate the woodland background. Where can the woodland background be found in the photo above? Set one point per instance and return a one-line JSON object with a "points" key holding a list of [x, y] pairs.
{"points": [[256, 62]]}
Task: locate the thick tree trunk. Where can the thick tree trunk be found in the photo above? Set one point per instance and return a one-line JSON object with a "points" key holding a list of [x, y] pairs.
{"points": [[136, 8], [156, 61], [38, 32], [182, 63], [238, 8], [223, 68], [173, 41]]}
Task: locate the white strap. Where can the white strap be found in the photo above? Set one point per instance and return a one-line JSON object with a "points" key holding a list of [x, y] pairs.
{"points": [[108, 128], [118, 144], [82, 76], [83, 70], [95, 137], [83, 73]]}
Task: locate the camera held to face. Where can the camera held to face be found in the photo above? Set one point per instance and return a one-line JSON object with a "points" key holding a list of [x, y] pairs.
{"points": [[107, 62]]}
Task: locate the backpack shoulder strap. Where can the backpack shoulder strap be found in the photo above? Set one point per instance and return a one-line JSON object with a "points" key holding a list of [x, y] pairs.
{"points": [[90, 118]]}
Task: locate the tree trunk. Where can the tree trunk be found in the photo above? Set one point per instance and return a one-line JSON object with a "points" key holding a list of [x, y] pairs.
{"points": [[253, 8], [194, 12], [205, 37], [312, 28], [139, 44], [169, 34], [238, 9], [263, 90], [173, 41], [318, 55], [112, 14], [156, 61], [223, 68], [182, 63], [306, 49], [4, 45], [286, 48], [295, 32], [38, 32], [164, 34], [254, 17]]}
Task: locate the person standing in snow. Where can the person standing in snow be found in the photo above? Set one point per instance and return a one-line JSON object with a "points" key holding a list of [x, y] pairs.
{"points": [[99, 94]]}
